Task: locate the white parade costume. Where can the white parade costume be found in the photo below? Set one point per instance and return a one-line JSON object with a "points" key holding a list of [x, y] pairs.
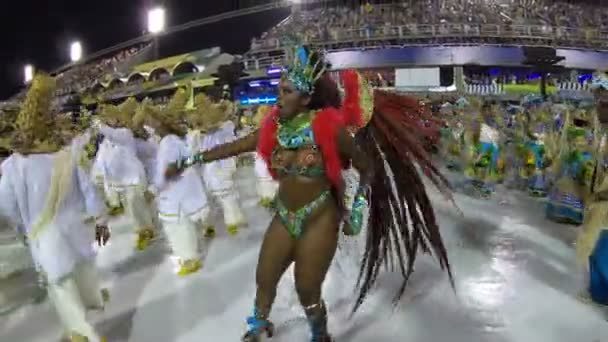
{"points": [[267, 187], [219, 176], [124, 178], [182, 203], [54, 199], [146, 153]]}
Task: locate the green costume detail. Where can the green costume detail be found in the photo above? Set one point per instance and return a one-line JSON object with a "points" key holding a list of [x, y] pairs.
{"points": [[294, 220]]}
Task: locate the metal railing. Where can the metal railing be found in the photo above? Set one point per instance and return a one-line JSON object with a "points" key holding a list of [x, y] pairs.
{"points": [[439, 34]]}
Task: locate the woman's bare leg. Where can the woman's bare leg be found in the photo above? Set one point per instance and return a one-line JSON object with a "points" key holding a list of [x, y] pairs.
{"points": [[313, 255], [276, 254]]}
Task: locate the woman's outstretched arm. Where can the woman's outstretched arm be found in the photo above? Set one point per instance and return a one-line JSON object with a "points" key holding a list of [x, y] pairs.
{"points": [[223, 151], [245, 144]]}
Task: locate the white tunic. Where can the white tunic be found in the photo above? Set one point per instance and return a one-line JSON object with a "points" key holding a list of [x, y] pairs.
{"points": [[67, 239], [118, 160], [146, 152], [261, 168], [218, 175], [184, 196]]}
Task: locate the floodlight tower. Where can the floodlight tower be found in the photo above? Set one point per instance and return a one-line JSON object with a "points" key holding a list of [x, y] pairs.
{"points": [[156, 26], [28, 73], [75, 52]]}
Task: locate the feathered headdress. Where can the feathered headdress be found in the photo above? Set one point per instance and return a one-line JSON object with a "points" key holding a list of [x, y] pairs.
{"points": [[303, 72], [121, 115], [37, 129], [171, 117], [216, 114], [358, 103], [195, 116]]}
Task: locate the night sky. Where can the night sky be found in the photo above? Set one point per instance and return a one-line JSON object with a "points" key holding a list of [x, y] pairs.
{"points": [[39, 32]]}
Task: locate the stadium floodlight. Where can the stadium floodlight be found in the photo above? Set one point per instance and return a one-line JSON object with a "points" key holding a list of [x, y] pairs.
{"points": [[156, 20], [28, 73], [75, 52]]}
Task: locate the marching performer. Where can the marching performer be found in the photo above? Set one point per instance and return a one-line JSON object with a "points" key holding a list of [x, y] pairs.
{"points": [[123, 173], [219, 175], [197, 128], [182, 203], [44, 190]]}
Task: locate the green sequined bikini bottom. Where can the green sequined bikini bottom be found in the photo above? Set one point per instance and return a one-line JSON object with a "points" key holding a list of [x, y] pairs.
{"points": [[294, 220]]}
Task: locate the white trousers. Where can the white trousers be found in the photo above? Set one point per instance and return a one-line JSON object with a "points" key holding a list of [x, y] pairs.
{"points": [[266, 187], [72, 295], [112, 196], [182, 234], [137, 208], [229, 200]]}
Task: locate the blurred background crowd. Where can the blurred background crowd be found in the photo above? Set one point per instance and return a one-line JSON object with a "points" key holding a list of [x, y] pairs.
{"points": [[559, 19]]}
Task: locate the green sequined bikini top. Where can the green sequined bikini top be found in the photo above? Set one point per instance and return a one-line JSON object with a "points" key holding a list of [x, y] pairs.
{"points": [[297, 135]]}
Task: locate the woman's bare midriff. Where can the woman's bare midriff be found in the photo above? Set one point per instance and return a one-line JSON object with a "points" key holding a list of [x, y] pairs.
{"points": [[298, 191]]}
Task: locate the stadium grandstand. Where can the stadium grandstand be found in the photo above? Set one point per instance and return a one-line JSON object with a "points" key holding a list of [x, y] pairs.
{"points": [[471, 46]]}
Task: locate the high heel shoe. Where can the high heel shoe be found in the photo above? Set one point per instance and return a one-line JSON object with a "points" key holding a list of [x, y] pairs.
{"points": [[257, 327]]}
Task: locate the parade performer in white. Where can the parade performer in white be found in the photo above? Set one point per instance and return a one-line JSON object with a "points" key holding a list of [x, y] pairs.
{"points": [[182, 203], [44, 190], [124, 174], [219, 176]]}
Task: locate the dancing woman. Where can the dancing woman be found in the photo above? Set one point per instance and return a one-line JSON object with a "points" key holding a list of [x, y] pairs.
{"points": [[307, 141]]}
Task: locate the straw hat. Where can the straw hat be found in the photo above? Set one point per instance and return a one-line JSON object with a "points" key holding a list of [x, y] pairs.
{"points": [[157, 118], [215, 115], [119, 116], [195, 117], [37, 129]]}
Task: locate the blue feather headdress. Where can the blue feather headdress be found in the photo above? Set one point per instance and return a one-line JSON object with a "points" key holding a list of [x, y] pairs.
{"points": [[301, 71]]}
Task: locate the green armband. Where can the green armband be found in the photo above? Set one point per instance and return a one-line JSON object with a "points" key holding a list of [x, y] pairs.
{"points": [[190, 161]]}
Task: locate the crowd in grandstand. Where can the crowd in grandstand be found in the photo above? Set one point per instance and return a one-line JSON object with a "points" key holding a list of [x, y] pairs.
{"points": [[332, 24], [82, 77]]}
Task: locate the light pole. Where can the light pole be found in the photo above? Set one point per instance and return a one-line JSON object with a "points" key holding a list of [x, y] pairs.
{"points": [[75, 52], [28, 73], [156, 26]]}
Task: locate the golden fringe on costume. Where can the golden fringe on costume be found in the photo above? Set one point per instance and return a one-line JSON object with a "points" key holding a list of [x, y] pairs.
{"points": [[61, 183]]}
